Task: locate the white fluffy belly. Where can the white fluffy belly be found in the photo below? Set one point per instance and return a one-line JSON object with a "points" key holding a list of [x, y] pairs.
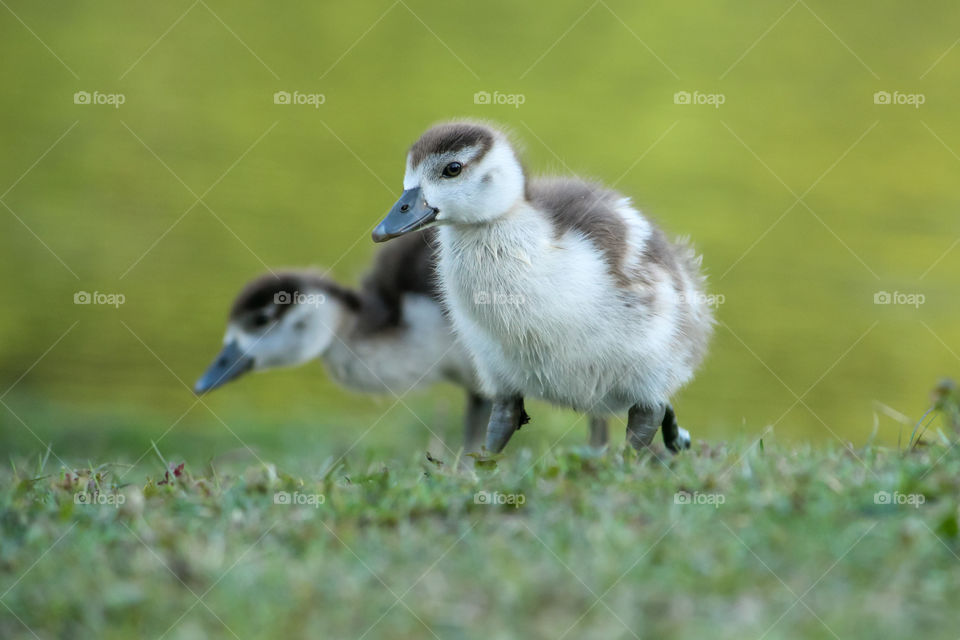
{"points": [[573, 369], [556, 327]]}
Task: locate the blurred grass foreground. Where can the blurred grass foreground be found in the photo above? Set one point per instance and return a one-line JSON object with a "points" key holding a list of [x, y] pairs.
{"points": [[724, 542]]}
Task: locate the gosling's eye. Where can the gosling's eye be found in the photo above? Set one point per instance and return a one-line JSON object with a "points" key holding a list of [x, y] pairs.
{"points": [[452, 170]]}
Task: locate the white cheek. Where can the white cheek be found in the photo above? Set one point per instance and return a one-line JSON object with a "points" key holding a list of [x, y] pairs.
{"points": [[506, 175], [300, 336], [465, 196], [270, 349], [243, 339], [465, 200], [320, 331], [411, 178]]}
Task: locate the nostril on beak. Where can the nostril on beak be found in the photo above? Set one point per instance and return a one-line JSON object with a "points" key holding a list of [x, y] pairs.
{"points": [[404, 208]]}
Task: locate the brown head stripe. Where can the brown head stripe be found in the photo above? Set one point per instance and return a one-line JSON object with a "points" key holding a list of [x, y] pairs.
{"points": [[268, 289], [405, 266], [450, 138]]}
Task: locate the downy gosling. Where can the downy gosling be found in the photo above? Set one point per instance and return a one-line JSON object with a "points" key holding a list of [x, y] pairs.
{"points": [[559, 288], [388, 336]]}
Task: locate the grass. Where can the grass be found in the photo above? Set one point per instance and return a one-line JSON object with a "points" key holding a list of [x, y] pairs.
{"points": [[737, 540], [304, 186]]}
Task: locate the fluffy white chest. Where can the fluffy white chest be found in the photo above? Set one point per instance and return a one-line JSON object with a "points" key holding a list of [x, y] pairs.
{"points": [[544, 317]]}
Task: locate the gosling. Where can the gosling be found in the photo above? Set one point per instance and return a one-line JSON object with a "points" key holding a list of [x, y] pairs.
{"points": [[558, 287]]}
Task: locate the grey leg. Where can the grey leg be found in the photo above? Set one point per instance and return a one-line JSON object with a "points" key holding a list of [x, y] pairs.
{"points": [[598, 432], [475, 422], [642, 424], [674, 437], [506, 417]]}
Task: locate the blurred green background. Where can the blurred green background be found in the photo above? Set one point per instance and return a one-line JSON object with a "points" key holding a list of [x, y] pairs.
{"points": [[105, 199]]}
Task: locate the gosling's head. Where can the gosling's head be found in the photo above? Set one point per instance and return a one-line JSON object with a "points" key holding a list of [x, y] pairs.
{"points": [[279, 320], [457, 173]]}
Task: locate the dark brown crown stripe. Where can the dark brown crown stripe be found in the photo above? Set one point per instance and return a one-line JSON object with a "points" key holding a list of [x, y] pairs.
{"points": [[450, 138]]}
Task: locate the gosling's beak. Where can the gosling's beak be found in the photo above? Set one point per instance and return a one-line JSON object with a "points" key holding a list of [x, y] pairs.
{"points": [[229, 364], [410, 213]]}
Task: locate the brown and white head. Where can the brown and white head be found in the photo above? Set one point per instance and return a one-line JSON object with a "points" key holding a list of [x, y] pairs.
{"points": [[456, 173], [281, 319]]}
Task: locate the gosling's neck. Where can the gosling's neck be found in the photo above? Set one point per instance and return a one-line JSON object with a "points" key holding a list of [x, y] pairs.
{"points": [[354, 356]]}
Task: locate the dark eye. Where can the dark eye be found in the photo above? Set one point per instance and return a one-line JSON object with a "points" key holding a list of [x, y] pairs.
{"points": [[260, 320], [452, 170]]}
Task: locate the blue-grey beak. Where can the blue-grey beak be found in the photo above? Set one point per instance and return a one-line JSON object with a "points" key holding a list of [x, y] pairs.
{"points": [[410, 213], [230, 363]]}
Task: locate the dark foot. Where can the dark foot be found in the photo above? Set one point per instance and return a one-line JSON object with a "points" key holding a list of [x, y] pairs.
{"points": [[506, 417], [643, 424], [675, 437]]}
